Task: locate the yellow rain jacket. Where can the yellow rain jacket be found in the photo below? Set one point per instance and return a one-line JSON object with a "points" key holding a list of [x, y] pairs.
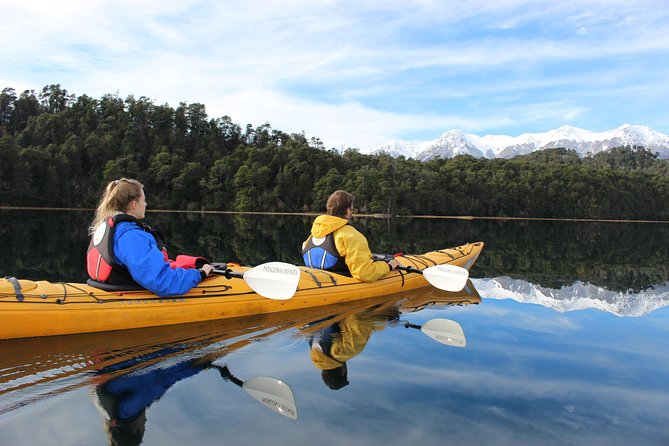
{"points": [[351, 245], [355, 331]]}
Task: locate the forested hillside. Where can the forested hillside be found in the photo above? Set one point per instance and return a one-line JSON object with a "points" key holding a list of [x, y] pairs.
{"points": [[58, 150]]}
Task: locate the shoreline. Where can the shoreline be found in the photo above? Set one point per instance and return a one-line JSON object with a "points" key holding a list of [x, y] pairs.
{"points": [[377, 215]]}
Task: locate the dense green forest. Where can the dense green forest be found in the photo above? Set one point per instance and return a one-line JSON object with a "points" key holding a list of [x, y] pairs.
{"points": [[58, 150]]}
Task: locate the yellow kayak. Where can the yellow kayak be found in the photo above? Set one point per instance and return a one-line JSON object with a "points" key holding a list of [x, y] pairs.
{"points": [[40, 308], [64, 363]]}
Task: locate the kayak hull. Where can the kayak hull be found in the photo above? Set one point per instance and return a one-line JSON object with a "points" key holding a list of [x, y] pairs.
{"points": [[40, 308]]}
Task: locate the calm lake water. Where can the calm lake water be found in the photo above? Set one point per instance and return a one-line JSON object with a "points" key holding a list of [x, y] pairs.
{"points": [[565, 323]]}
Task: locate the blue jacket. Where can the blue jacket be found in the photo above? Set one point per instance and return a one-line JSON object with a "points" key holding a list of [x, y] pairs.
{"points": [[124, 397], [138, 251]]}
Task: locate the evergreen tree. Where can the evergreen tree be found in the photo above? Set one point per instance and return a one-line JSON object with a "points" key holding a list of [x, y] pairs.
{"points": [[57, 149]]}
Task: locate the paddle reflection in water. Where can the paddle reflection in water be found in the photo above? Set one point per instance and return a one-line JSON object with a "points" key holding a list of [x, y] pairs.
{"points": [[271, 392], [124, 399], [33, 368], [130, 371], [332, 346]]}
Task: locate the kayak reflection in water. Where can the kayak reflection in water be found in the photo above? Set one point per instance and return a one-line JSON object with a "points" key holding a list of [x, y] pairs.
{"points": [[333, 346]]}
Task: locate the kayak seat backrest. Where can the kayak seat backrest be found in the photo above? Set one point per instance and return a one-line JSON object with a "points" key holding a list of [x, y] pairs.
{"points": [[112, 287]]}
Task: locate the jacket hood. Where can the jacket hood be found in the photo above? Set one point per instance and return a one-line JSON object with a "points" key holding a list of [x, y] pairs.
{"points": [[326, 224], [322, 361]]}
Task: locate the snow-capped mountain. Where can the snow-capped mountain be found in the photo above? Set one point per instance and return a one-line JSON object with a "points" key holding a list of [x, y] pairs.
{"points": [[401, 148], [578, 296], [585, 142], [450, 144]]}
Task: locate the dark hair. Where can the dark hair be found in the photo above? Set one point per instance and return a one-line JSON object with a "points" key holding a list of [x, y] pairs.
{"points": [[339, 202], [335, 378]]}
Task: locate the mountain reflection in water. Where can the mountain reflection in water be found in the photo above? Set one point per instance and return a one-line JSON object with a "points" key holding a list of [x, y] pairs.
{"points": [[129, 371], [578, 296], [528, 375]]}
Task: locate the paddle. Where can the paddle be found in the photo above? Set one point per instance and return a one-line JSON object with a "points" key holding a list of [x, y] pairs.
{"points": [[273, 280], [270, 392], [445, 277], [445, 331]]}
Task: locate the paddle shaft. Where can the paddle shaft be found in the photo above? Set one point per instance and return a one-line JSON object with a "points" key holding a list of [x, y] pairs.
{"points": [[228, 273], [388, 257], [226, 375], [410, 269]]}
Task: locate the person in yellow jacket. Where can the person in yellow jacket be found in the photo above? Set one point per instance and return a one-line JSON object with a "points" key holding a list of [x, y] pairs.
{"points": [[335, 245], [340, 342]]}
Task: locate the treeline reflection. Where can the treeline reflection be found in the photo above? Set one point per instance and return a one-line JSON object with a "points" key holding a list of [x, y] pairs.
{"points": [[50, 245]]}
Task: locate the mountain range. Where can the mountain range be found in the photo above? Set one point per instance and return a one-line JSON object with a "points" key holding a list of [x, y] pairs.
{"points": [[584, 142], [578, 296]]}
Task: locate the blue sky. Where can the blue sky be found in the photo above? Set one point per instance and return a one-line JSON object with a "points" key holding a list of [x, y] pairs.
{"points": [[357, 73]]}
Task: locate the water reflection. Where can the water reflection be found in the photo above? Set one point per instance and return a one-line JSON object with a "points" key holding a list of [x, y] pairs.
{"points": [[331, 347], [615, 256], [578, 296], [529, 374], [337, 340], [130, 371], [124, 397], [139, 365], [272, 393]]}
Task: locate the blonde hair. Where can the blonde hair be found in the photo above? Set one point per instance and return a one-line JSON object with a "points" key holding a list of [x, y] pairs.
{"points": [[115, 200]]}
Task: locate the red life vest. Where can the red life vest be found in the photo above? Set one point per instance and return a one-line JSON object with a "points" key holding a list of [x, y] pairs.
{"points": [[100, 260], [101, 263]]}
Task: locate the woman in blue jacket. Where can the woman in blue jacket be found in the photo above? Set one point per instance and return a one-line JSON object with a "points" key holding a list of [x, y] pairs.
{"points": [[125, 252]]}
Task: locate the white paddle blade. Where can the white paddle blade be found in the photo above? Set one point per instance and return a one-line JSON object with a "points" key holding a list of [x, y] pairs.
{"points": [[273, 394], [445, 331], [274, 280], [447, 277]]}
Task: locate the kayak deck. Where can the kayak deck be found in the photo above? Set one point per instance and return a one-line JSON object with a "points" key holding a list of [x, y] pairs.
{"points": [[41, 308]]}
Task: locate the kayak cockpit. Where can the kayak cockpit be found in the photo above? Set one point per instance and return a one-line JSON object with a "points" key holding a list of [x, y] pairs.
{"points": [[113, 288]]}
